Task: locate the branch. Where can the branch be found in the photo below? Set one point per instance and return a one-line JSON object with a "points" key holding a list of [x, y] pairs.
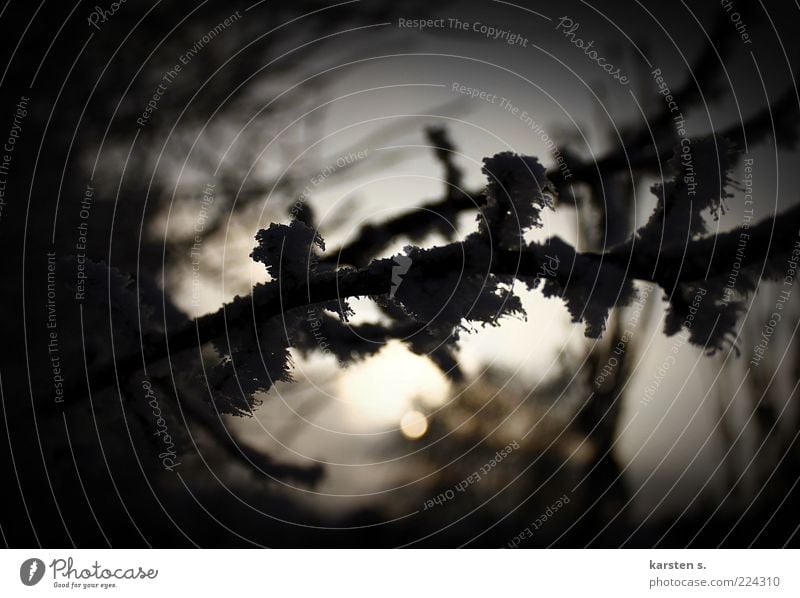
{"points": [[678, 262], [250, 457], [372, 239]]}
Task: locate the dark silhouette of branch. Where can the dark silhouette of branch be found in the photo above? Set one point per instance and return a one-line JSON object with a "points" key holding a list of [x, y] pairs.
{"points": [[675, 263], [372, 238], [246, 455]]}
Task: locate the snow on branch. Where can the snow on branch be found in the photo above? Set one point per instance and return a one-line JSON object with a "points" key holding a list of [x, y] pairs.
{"points": [[432, 296]]}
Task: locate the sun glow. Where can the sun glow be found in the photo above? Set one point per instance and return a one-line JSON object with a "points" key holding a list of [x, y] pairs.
{"points": [[413, 424], [383, 389]]}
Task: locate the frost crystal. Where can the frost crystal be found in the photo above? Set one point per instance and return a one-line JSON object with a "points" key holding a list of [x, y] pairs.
{"points": [[288, 250], [589, 285], [517, 191], [454, 293], [701, 174], [249, 365]]}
